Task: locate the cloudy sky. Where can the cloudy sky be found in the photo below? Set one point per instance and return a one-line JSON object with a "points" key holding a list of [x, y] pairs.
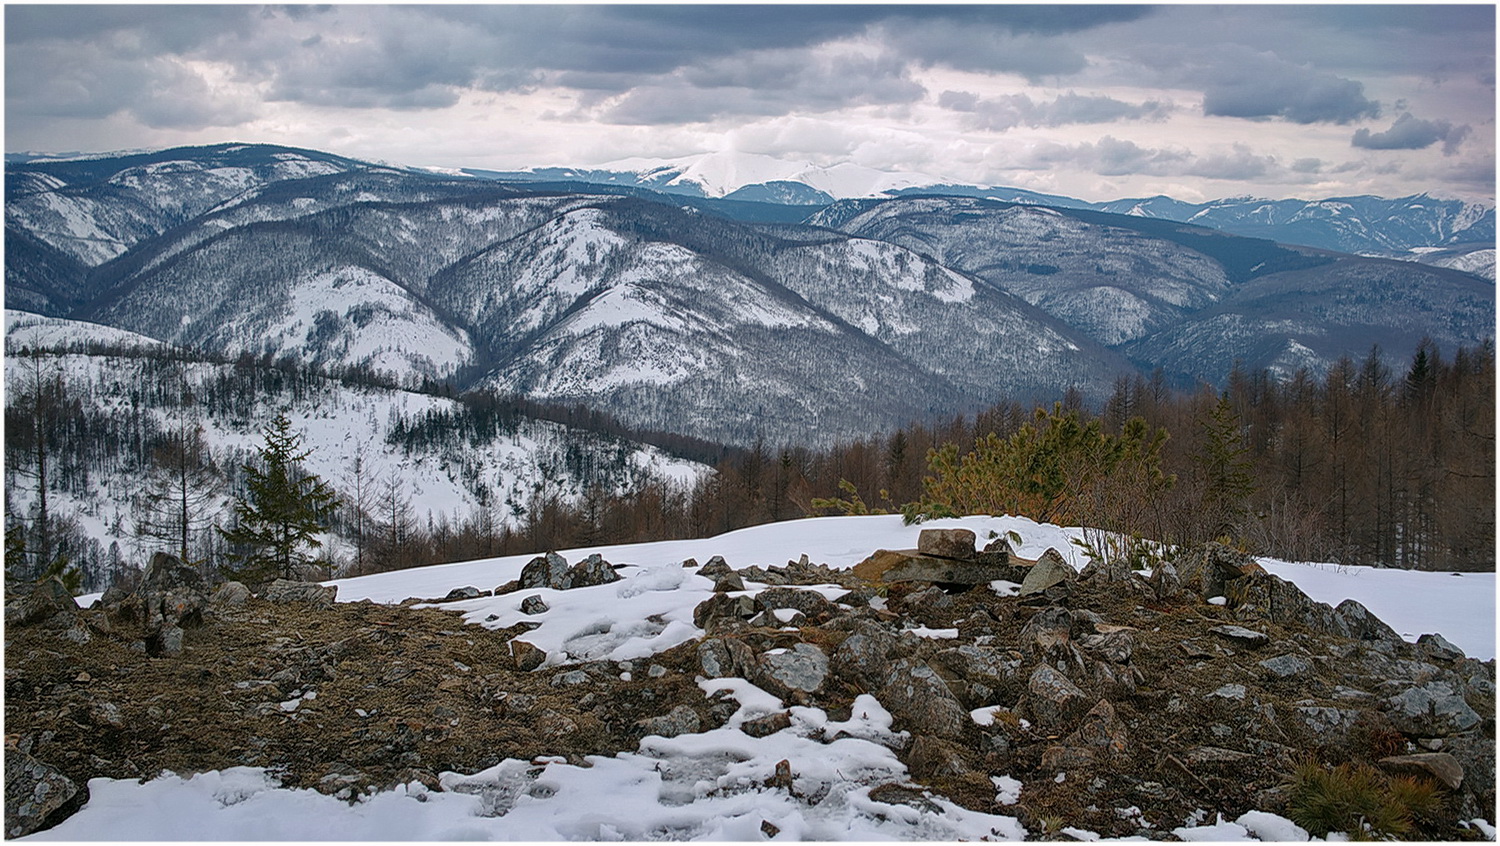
{"points": [[1097, 102]]}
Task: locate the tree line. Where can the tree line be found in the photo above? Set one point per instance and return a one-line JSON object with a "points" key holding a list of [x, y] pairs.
{"points": [[1360, 465]]}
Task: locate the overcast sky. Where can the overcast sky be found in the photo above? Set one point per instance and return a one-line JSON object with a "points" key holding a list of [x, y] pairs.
{"points": [[1097, 102]]}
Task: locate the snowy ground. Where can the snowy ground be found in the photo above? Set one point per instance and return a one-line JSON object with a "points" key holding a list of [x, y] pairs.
{"points": [[708, 785]]}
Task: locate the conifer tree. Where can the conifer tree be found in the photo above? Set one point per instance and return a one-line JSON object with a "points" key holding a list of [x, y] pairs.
{"points": [[283, 510]]}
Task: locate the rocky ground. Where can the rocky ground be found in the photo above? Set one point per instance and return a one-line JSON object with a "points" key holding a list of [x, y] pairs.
{"points": [[1121, 705]]}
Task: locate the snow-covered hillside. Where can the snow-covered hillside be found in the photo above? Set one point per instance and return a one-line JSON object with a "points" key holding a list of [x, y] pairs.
{"points": [[338, 421], [710, 784]]}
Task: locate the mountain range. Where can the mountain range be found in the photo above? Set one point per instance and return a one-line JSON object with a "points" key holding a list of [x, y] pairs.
{"points": [[734, 317]]}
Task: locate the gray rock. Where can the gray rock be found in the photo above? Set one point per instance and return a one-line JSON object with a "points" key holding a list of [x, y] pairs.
{"points": [[1327, 724], [1049, 570], [946, 543], [727, 582], [571, 678], [1209, 568], [1164, 581], [1235, 692], [810, 603], [973, 663], [166, 642], [1100, 735], [1440, 766], [230, 593], [469, 592], [804, 667], [1053, 698], [590, 572], [34, 793], [1286, 666], [47, 599], [932, 597], [534, 604], [680, 720], [917, 696], [1242, 636], [543, 571], [1115, 646], [1363, 625], [715, 567], [725, 657], [721, 609], [1433, 710], [283, 591], [1437, 647], [866, 657]]}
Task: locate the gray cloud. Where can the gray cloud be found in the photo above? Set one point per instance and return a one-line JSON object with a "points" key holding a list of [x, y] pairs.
{"points": [[1110, 156], [1011, 110], [768, 83], [1307, 165], [1238, 164], [1265, 86], [1410, 133]]}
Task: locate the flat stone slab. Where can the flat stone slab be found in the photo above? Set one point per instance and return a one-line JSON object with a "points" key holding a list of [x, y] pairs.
{"points": [[909, 565], [1242, 635]]}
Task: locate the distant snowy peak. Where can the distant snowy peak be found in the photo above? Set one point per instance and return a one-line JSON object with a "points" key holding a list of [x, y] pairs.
{"points": [[723, 173]]}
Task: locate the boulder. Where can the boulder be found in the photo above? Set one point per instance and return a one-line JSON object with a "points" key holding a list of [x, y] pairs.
{"points": [[284, 591], [1432, 710], [589, 572], [728, 582], [526, 656], [1439, 766], [866, 656], [721, 610], [680, 720], [230, 593], [1437, 647], [722, 657], [1363, 625], [534, 604], [543, 571], [803, 667], [469, 592], [917, 696], [1049, 570], [1053, 698], [47, 599], [1285, 666], [946, 543], [1165, 581], [37, 795], [810, 603], [715, 567]]}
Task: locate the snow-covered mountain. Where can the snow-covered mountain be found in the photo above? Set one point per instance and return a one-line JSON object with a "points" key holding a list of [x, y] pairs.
{"points": [[1346, 224], [672, 313], [1191, 300]]}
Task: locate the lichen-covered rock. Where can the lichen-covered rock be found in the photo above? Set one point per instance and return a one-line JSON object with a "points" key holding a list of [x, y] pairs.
{"points": [[283, 591], [34, 791], [722, 657], [680, 720], [803, 667], [721, 610], [1432, 710], [1053, 698], [810, 603], [923, 704], [867, 656], [589, 572], [534, 604], [543, 571], [525, 655], [1364, 625]]}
